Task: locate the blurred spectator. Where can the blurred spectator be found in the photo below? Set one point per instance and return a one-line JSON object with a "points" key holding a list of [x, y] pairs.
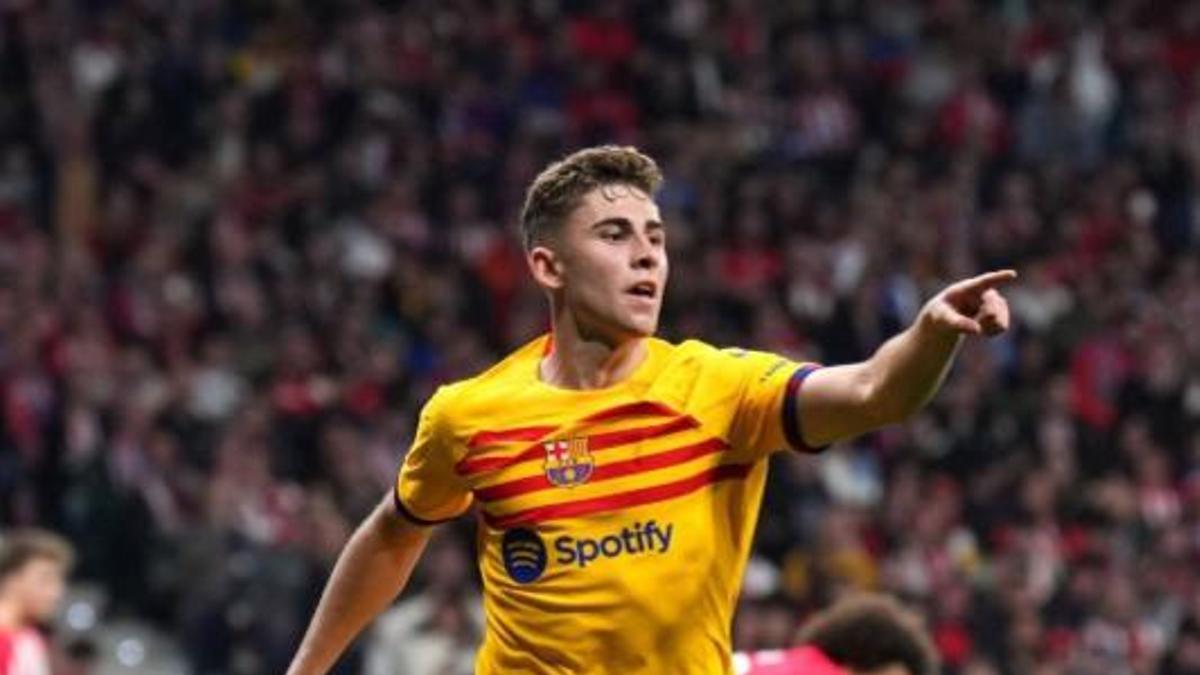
{"points": [[859, 635], [33, 569], [433, 631]]}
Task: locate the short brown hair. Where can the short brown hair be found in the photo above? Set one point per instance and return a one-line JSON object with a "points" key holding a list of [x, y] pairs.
{"points": [[559, 187], [869, 632], [20, 547]]}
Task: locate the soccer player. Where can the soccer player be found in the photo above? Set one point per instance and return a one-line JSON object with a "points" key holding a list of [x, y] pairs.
{"points": [[862, 635], [617, 477], [33, 569]]}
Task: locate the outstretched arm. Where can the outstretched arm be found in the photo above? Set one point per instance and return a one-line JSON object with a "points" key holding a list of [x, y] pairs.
{"points": [[371, 571], [844, 401]]}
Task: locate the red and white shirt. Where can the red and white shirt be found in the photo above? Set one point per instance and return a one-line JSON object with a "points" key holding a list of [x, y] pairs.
{"points": [[797, 661], [23, 652]]}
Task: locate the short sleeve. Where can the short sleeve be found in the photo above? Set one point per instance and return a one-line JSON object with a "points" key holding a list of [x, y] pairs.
{"points": [[766, 419], [428, 490]]}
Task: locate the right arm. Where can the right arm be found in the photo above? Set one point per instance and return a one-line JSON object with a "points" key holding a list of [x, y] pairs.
{"points": [[371, 571]]}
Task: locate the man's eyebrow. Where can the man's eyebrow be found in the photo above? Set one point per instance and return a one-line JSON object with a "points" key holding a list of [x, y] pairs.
{"points": [[612, 220], [625, 222]]}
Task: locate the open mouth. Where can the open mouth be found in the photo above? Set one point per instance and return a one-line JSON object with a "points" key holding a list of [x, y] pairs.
{"points": [[644, 289]]}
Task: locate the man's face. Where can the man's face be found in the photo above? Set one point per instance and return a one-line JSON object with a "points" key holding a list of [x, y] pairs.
{"points": [[39, 587], [612, 263]]}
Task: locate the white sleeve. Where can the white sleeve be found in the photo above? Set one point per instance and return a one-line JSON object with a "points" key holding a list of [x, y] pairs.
{"points": [[30, 656]]}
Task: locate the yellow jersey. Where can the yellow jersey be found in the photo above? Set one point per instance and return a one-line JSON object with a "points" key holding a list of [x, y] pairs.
{"points": [[615, 523]]}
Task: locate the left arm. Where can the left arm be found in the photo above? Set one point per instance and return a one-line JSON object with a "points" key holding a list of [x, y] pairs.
{"points": [[899, 379]]}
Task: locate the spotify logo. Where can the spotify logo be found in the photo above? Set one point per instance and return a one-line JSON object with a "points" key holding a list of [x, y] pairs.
{"points": [[524, 555]]}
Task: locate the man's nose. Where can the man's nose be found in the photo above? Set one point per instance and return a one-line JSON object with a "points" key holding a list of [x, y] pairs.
{"points": [[646, 256]]}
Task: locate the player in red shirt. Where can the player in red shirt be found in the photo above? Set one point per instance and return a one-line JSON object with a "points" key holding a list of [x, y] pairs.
{"points": [[865, 635], [33, 570]]}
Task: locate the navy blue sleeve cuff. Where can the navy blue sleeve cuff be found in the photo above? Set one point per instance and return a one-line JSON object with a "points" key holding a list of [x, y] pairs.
{"points": [[791, 410]]}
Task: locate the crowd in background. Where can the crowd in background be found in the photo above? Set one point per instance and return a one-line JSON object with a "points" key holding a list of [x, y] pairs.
{"points": [[242, 241]]}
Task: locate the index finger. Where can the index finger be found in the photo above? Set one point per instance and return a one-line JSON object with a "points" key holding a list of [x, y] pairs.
{"points": [[985, 281]]}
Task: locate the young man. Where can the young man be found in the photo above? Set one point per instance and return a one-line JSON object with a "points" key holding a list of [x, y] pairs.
{"points": [[863, 635], [33, 570], [617, 476]]}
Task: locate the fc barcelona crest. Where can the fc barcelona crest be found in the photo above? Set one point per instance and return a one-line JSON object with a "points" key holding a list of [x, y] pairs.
{"points": [[568, 462]]}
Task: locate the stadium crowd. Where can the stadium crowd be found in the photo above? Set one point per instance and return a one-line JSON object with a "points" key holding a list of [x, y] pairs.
{"points": [[241, 242]]}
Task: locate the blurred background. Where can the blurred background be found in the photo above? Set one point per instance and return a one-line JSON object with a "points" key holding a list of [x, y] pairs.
{"points": [[241, 241]]}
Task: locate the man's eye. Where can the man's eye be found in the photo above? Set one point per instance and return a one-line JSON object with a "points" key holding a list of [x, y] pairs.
{"points": [[611, 235]]}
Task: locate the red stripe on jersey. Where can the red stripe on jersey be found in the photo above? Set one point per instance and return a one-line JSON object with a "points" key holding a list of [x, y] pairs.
{"points": [[475, 465], [486, 438], [607, 471], [622, 500], [638, 409]]}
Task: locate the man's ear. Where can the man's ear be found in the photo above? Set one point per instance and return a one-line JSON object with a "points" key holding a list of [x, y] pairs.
{"points": [[546, 267]]}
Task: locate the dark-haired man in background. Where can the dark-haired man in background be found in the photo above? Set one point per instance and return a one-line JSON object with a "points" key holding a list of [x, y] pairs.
{"points": [[862, 635]]}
